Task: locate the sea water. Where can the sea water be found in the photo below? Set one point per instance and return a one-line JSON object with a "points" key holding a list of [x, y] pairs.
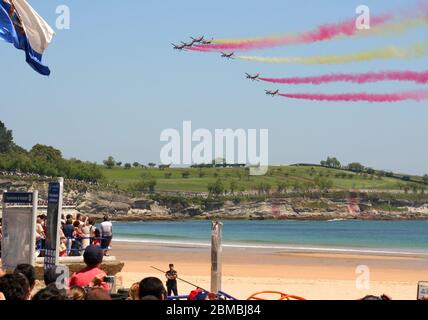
{"points": [[405, 237]]}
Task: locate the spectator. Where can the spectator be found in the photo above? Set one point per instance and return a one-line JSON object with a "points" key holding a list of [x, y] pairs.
{"points": [[77, 243], [371, 297], [51, 292], [29, 272], [69, 233], [63, 247], [76, 293], [86, 277], [15, 287], [133, 293], [98, 294], [79, 218], [40, 234], [91, 224], [54, 276], [106, 234], [86, 235], [152, 287], [97, 238]]}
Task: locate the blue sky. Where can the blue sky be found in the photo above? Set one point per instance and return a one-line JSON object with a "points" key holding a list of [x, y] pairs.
{"points": [[116, 83]]}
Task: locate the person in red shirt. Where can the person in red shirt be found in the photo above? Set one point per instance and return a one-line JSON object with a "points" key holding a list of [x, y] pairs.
{"points": [[91, 275]]}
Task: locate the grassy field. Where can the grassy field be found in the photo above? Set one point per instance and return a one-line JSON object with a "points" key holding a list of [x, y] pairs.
{"points": [[292, 177]]}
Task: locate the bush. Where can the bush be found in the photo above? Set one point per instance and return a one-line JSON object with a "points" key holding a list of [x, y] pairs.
{"points": [[216, 188], [185, 174], [144, 186]]}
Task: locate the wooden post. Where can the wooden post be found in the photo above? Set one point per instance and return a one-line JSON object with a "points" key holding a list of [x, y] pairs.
{"points": [[216, 250]]}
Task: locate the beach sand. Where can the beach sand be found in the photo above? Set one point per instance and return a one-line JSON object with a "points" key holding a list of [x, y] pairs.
{"points": [[311, 275]]}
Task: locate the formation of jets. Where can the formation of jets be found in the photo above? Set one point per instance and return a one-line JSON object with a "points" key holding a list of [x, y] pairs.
{"points": [[230, 55], [184, 45], [272, 93], [253, 77], [227, 55]]}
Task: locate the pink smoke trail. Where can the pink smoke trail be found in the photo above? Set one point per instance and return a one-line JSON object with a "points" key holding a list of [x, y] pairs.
{"points": [[368, 97], [418, 77], [321, 33]]}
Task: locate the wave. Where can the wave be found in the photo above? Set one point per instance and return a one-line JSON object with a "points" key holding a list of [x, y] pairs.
{"points": [[277, 247]]}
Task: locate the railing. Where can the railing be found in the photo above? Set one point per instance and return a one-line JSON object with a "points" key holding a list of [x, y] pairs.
{"points": [[38, 247]]}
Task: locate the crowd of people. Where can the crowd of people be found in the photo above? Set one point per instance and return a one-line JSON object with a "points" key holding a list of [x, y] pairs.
{"points": [[76, 233], [87, 284]]}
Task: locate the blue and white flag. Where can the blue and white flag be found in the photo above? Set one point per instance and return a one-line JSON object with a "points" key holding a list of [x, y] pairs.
{"points": [[22, 26]]}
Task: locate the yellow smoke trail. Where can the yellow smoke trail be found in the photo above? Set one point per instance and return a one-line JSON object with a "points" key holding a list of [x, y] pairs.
{"points": [[396, 28], [385, 29], [414, 51]]}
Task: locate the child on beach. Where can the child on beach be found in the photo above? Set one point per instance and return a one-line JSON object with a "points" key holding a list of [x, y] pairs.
{"points": [[97, 238]]}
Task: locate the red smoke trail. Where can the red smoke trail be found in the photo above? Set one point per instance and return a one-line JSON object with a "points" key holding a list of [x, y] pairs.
{"points": [[321, 33], [369, 97], [418, 77]]}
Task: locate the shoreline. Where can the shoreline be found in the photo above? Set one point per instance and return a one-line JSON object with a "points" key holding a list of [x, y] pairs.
{"points": [[288, 248]]}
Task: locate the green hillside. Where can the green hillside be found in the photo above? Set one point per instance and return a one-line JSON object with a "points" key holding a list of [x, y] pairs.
{"points": [[278, 177]]}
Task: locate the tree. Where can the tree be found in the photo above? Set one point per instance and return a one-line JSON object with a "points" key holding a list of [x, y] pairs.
{"points": [[135, 164], [151, 164], [119, 164], [331, 163], [110, 163], [128, 166], [370, 171], [356, 167], [47, 153], [216, 188], [151, 184], [6, 138], [425, 179], [185, 174], [323, 184], [145, 185]]}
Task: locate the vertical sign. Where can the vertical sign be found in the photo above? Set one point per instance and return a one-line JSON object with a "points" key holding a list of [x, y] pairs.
{"points": [[216, 251], [19, 228], [53, 223]]}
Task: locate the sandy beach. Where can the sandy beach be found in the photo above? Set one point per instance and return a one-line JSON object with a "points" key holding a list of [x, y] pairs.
{"points": [[311, 275]]}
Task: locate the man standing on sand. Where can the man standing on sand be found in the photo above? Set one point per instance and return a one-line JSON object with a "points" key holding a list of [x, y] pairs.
{"points": [[171, 282], [106, 234]]}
